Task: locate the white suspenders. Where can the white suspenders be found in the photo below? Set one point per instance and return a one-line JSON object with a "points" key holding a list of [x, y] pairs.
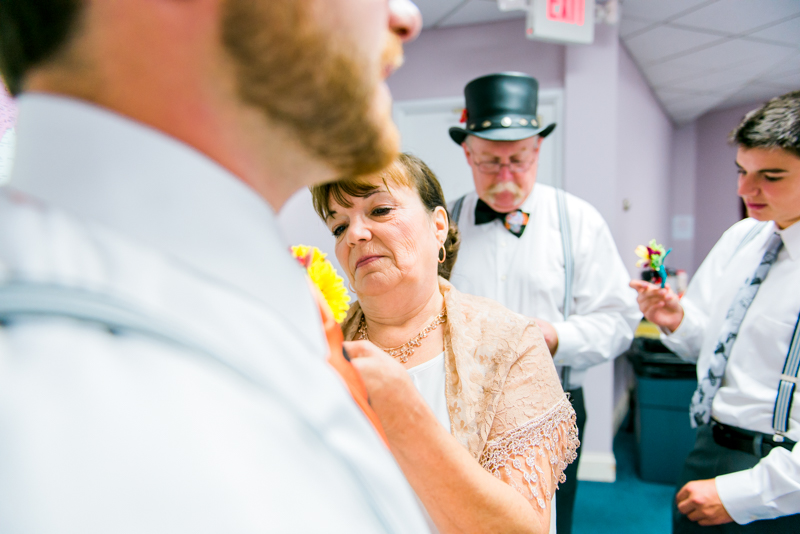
{"points": [[569, 260]]}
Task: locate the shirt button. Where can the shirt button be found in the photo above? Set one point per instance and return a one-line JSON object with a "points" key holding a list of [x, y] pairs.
{"points": [[503, 244], [503, 278]]}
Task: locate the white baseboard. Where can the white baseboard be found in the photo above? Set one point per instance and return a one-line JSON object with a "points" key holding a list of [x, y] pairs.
{"points": [[597, 467]]}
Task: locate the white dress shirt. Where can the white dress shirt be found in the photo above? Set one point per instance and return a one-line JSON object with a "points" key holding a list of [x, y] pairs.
{"points": [[104, 432], [526, 275], [749, 388]]}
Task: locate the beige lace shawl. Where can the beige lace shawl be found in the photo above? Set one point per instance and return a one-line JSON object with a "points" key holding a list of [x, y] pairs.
{"points": [[505, 402]]}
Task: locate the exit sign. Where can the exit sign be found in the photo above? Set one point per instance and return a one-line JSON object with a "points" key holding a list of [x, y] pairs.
{"points": [[561, 21], [566, 11]]}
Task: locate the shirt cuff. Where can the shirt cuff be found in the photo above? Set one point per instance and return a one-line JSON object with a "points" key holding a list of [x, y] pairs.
{"points": [[569, 342], [739, 495], [686, 339]]}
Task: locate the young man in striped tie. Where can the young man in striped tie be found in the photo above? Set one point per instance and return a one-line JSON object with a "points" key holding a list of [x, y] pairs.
{"points": [[739, 321]]}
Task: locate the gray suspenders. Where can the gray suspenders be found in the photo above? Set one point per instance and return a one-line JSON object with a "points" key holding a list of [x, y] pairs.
{"points": [[569, 268], [569, 260], [787, 385], [566, 245], [457, 208], [788, 381]]}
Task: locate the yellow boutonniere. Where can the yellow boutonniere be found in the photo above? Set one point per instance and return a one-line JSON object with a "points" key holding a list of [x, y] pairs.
{"points": [[324, 275]]}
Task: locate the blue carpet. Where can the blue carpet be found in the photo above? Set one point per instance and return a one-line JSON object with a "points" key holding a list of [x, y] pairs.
{"points": [[629, 505]]}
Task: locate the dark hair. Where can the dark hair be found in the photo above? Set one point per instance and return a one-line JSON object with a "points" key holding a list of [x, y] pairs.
{"points": [[31, 32], [406, 170], [776, 124]]}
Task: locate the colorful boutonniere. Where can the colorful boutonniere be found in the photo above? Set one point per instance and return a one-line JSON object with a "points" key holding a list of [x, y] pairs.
{"points": [[325, 278], [652, 257]]}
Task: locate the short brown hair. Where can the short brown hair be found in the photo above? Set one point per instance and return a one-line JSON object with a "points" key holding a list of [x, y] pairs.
{"points": [[409, 171], [776, 124]]}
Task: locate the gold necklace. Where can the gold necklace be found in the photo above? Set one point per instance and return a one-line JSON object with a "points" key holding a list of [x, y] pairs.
{"points": [[404, 351]]}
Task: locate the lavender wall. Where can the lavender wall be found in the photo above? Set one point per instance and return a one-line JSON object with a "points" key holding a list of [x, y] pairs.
{"points": [[441, 61], [618, 146], [644, 161], [590, 122], [717, 205], [682, 194], [590, 172]]}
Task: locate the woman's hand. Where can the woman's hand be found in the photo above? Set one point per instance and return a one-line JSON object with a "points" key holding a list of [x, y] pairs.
{"points": [[389, 387], [659, 305], [459, 494]]}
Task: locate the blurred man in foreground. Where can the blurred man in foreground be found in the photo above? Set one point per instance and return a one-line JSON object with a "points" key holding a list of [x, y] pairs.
{"points": [[162, 361]]}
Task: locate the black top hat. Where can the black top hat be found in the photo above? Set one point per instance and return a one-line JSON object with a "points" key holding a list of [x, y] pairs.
{"points": [[501, 107]]}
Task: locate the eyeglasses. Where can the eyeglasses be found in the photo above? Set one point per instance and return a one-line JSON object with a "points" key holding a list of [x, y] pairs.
{"points": [[493, 167]]}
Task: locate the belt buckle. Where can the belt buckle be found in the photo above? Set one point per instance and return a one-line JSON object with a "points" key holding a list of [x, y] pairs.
{"points": [[778, 438]]}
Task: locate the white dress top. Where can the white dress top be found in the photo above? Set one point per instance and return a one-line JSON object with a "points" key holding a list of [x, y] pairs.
{"points": [[526, 275], [429, 379], [109, 432], [746, 398]]}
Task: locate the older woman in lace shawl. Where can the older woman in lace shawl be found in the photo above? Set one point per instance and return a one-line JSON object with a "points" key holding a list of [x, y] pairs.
{"points": [[465, 389]]}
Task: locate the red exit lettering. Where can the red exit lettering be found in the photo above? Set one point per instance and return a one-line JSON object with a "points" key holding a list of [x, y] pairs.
{"points": [[566, 11]]}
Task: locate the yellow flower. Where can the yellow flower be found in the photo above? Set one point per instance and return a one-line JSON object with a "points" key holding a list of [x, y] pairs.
{"points": [[643, 253], [324, 276]]}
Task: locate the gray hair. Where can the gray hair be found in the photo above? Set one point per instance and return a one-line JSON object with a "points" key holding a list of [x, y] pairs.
{"points": [[776, 124]]}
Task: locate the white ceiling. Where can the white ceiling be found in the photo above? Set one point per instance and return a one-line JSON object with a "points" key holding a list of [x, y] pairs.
{"points": [[697, 55]]}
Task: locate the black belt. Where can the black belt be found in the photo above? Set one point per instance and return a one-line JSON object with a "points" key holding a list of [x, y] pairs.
{"points": [[739, 439]]}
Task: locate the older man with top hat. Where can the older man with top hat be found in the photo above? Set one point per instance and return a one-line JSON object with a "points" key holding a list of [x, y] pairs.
{"points": [[536, 249]]}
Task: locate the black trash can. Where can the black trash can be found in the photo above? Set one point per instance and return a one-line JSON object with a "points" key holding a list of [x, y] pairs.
{"points": [[664, 388]]}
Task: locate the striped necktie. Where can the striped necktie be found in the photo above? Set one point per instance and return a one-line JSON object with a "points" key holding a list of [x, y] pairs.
{"points": [[700, 409]]}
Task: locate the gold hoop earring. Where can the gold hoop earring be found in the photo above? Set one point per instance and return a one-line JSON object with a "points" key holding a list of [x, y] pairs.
{"points": [[442, 254]]}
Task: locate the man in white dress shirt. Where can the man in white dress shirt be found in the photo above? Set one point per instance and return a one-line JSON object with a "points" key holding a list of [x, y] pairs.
{"points": [[162, 360], [513, 249], [738, 320]]}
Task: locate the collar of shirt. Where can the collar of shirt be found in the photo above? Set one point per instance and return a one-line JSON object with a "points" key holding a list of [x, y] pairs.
{"points": [[107, 169], [531, 202], [791, 240]]}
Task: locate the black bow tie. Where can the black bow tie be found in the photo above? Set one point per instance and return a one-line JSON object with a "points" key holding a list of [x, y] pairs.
{"points": [[514, 221]]}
